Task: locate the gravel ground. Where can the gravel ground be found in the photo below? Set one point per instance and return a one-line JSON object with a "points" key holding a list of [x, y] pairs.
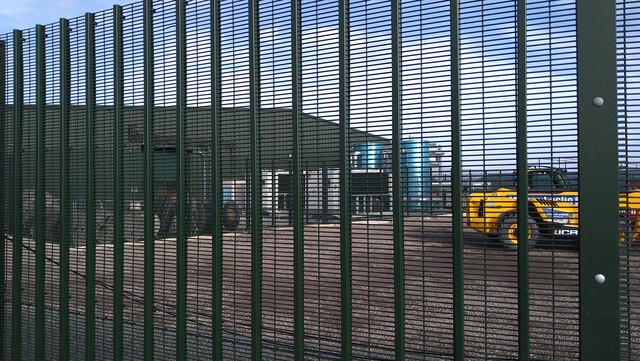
{"points": [[490, 299]]}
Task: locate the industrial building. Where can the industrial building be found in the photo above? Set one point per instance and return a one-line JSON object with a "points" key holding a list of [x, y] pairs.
{"points": [[369, 161]]}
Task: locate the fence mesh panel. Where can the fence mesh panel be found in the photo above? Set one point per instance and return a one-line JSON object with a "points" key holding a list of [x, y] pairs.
{"points": [[312, 179]]}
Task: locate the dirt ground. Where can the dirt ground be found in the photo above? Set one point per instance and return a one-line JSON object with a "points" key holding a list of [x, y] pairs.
{"points": [[490, 298]]}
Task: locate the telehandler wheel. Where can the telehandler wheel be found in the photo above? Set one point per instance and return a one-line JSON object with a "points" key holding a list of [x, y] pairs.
{"points": [[624, 234], [508, 231]]}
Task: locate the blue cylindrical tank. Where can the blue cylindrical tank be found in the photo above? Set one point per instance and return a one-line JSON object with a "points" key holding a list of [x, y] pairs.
{"points": [[416, 175], [368, 155]]}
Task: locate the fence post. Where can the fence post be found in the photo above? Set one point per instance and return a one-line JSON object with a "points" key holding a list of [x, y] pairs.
{"points": [[216, 177], [90, 81], [181, 207], [297, 187], [39, 238], [16, 292], [598, 185], [118, 184], [255, 174], [345, 184], [65, 214], [3, 184], [523, 185], [149, 249], [398, 205], [456, 189]]}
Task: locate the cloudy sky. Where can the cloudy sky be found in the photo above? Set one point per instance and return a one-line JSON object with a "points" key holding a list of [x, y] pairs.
{"points": [[24, 14]]}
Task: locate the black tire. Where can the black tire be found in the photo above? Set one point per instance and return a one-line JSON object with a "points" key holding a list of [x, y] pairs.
{"points": [[165, 208], [624, 231], [230, 217], [198, 218], [507, 231]]}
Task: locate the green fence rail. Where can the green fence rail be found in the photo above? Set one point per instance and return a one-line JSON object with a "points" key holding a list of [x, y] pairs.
{"points": [[320, 179]]}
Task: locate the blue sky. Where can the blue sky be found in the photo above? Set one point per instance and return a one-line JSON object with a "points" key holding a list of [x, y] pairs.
{"points": [[24, 14]]}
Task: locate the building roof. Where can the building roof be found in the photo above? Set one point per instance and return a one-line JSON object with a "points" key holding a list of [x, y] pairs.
{"points": [[319, 144]]}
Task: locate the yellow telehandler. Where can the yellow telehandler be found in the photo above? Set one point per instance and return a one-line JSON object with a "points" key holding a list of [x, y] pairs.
{"points": [[552, 210]]}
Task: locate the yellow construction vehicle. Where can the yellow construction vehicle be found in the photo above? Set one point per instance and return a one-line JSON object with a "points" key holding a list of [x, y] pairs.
{"points": [[552, 210]]}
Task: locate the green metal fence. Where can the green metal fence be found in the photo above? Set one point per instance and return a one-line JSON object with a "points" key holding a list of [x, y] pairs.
{"points": [[322, 180]]}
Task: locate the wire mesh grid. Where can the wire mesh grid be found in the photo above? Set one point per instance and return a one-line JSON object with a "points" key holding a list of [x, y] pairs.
{"points": [[314, 179]]}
